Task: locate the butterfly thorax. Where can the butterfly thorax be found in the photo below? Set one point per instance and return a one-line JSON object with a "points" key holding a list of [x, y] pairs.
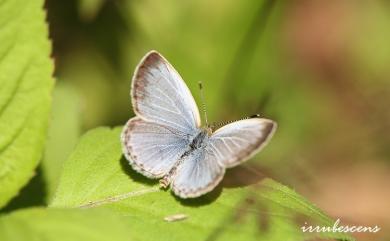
{"points": [[199, 140]]}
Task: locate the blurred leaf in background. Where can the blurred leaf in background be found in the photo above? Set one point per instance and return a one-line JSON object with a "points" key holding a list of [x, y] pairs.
{"points": [[64, 131], [88, 9], [338, 49]]}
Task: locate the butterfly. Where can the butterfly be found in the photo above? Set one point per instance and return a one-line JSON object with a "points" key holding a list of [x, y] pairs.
{"points": [[166, 141]]}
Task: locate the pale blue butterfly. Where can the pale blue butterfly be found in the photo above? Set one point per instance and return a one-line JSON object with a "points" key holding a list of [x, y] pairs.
{"points": [[166, 140]]}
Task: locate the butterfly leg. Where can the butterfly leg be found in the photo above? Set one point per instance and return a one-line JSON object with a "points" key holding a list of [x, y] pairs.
{"points": [[167, 179]]}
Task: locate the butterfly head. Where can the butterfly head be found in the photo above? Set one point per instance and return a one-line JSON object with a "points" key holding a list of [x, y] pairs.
{"points": [[208, 129]]}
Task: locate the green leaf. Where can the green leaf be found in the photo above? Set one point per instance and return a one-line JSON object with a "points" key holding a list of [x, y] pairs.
{"points": [[64, 131], [26, 82], [246, 206], [63, 225], [92, 169]]}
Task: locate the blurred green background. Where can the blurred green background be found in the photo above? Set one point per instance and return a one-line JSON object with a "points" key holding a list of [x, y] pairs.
{"points": [[321, 69]]}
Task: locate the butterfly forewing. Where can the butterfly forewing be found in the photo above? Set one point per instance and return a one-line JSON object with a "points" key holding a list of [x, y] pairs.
{"points": [[238, 141], [160, 95]]}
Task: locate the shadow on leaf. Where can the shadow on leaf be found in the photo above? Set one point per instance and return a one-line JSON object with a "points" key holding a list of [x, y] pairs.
{"points": [[206, 199], [31, 195], [135, 176], [242, 176]]}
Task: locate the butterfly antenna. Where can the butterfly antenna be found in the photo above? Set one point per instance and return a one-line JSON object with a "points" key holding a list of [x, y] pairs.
{"points": [[216, 125], [203, 102]]}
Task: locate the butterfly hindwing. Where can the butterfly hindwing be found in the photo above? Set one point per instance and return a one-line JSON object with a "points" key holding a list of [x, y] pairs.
{"points": [[236, 142], [152, 149], [199, 173]]}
